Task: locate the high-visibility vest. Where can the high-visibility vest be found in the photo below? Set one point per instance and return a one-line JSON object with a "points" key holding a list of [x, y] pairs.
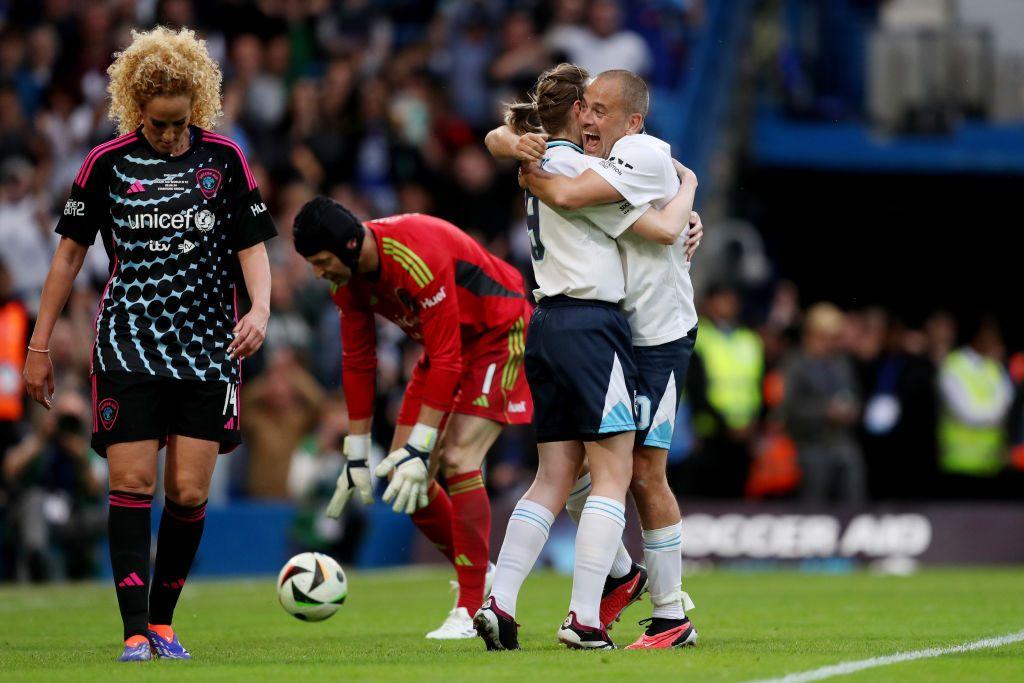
{"points": [[733, 362], [13, 328], [964, 448]]}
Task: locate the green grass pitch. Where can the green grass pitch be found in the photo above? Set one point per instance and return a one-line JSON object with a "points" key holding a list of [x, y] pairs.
{"points": [[752, 625]]}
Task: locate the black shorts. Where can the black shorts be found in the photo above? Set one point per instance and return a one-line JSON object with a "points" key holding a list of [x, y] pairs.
{"points": [[130, 406], [579, 364], [662, 376]]}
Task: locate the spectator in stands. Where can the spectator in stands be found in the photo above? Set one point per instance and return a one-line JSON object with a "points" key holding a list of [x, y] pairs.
{"points": [[476, 199], [287, 327], [66, 123], [463, 60], [13, 340], [26, 240], [523, 55], [941, 332], [898, 430], [602, 44], [724, 387], [976, 395], [280, 407], [264, 92], [566, 14], [56, 514], [39, 69], [821, 409]]}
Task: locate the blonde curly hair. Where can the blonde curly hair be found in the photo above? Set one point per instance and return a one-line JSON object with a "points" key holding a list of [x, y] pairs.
{"points": [[163, 62]]}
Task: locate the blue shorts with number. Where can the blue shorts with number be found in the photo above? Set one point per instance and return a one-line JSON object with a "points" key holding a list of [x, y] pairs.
{"points": [[579, 364], [662, 376]]}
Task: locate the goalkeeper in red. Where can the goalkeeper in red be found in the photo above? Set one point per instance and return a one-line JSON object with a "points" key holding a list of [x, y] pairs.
{"points": [[469, 311]]}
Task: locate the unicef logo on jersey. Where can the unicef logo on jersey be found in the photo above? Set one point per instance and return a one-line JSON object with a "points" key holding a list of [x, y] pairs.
{"points": [[205, 220]]}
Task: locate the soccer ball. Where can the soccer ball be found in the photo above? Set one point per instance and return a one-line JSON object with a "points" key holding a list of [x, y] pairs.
{"points": [[311, 586]]}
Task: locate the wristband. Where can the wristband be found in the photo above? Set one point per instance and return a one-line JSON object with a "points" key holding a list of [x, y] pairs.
{"points": [[356, 446], [29, 347], [423, 437]]}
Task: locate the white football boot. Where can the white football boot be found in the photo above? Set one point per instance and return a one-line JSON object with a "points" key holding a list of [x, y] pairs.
{"points": [[459, 622]]}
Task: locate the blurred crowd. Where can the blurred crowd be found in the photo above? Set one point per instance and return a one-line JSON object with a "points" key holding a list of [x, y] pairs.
{"points": [[831, 406], [383, 105]]}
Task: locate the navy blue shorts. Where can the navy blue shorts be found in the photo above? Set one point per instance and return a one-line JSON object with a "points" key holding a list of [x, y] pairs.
{"points": [[662, 376], [579, 364]]}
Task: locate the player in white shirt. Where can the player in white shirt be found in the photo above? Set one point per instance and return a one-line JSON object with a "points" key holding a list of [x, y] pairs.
{"points": [[579, 374], [660, 308]]}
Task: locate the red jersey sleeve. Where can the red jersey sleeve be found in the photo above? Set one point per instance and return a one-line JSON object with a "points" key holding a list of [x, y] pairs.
{"points": [[358, 353]]}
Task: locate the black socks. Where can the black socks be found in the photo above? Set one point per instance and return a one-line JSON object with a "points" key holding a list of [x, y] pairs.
{"points": [[181, 529]]}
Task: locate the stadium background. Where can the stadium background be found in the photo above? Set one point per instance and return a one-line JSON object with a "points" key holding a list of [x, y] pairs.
{"points": [[860, 152]]}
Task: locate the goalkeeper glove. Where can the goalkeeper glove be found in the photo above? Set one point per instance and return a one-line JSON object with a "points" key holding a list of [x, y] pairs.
{"points": [[354, 475], [408, 487]]}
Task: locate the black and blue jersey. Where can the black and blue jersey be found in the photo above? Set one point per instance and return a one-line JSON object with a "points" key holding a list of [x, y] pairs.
{"points": [[172, 227]]}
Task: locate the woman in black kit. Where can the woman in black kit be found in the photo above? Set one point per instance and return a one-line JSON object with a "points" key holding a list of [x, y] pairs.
{"points": [[182, 220]]}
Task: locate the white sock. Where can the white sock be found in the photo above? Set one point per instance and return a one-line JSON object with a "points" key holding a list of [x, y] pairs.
{"points": [[600, 532], [663, 555], [525, 536], [574, 506]]}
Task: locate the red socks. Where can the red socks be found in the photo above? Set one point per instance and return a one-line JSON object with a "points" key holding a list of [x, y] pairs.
{"points": [[435, 521], [471, 533], [458, 523]]}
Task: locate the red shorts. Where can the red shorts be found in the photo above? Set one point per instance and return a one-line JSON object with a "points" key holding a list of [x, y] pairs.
{"points": [[493, 384]]}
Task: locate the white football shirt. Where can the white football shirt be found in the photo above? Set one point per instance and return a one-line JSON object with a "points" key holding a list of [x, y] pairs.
{"points": [[659, 295], [574, 252]]}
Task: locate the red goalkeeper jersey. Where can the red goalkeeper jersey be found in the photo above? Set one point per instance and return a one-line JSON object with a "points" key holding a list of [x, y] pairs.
{"points": [[436, 283]]}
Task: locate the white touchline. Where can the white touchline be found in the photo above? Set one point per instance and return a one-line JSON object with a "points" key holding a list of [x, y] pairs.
{"points": [[845, 668]]}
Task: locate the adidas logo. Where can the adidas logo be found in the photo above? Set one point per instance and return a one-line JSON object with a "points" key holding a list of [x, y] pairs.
{"points": [[130, 581], [463, 561], [135, 188], [481, 402]]}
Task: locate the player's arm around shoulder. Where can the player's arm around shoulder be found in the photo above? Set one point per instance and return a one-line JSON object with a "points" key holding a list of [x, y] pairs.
{"points": [[505, 143], [665, 225]]}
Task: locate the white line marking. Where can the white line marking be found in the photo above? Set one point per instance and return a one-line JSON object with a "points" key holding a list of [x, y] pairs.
{"points": [[845, 668]]}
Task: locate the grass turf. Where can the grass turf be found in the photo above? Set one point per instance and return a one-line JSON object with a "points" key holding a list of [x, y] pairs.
{"points": [[752, 626]]}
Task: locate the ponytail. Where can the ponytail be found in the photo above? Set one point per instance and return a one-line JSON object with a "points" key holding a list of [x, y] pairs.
{"points": [[551, 102], [522, 116]]}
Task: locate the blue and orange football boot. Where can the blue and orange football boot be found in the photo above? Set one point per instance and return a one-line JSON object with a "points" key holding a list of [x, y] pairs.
{"points": [[165, 642], [136, 649]]}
